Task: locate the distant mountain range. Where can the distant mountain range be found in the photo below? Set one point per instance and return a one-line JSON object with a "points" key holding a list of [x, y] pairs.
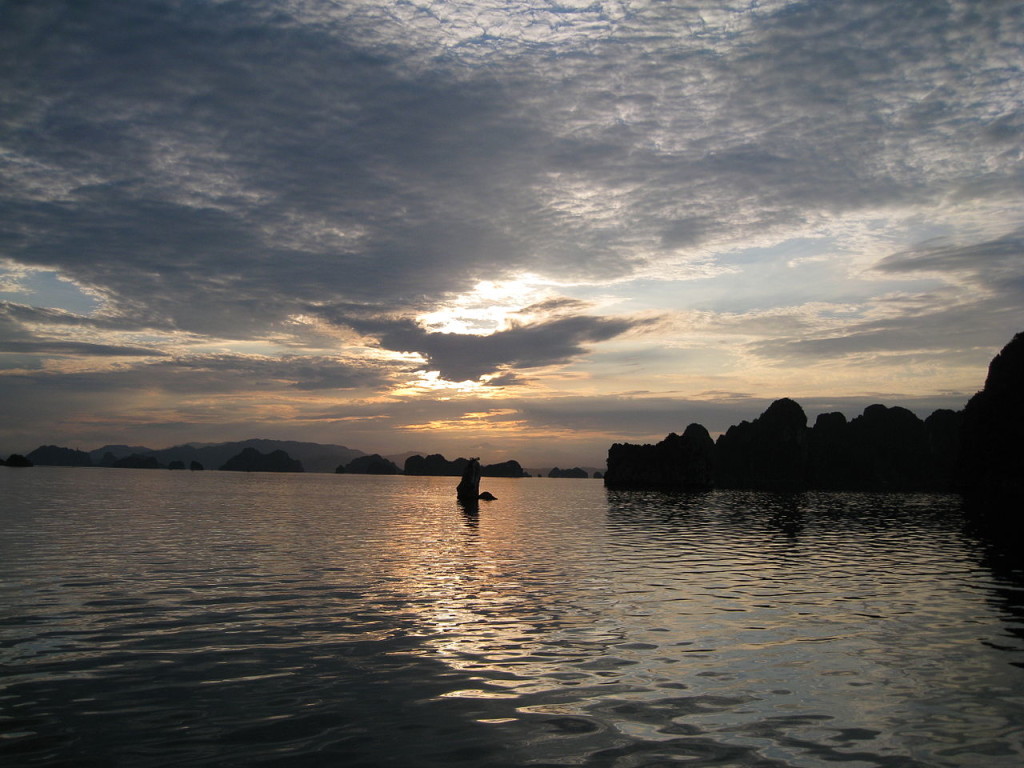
{"points": [[315, 457]]}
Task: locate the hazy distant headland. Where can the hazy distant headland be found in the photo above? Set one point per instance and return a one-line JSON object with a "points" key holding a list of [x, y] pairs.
{"points": [[975, 451], [257, 455]]}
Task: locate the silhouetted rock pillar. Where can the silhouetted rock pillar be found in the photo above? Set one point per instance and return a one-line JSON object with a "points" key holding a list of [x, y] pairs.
{"points": [[697, 458], [769, 453], [469, 487]]}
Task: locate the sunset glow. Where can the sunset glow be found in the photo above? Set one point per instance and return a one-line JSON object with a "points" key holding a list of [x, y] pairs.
{"points": [[499, 227]]}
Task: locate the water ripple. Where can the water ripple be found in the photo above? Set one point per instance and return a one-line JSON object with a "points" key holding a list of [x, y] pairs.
{"points": [[152, 619]]}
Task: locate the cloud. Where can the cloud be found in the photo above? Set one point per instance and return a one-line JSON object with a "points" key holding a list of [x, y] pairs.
{"points": [[990, 261], [952, 302], [198, 375], [227, 373], [211, 176], [76, 348], [461, 357], [217, 175]]}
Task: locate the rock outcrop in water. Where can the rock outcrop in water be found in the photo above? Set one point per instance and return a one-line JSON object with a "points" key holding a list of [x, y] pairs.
{"points": [[16, 460], [56, 456], [314, 457], [374, 464], [438, 466], [679, 462], [770, 452], [979, 451], [251, 460], [435, 465], [510, 468], [575, 472], [468, 489]]}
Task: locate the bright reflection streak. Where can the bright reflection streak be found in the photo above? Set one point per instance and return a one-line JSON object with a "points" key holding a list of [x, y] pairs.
{"points": [[481, 611]]}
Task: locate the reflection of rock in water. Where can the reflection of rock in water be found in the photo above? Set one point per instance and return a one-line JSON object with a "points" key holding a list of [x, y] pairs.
{"points": [[998, 534], [470, 512]]}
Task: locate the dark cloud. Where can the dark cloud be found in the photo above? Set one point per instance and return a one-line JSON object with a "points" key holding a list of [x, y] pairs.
{"points": [[200, 375], [934, 329], [216, 174], [461, 357], [213, 167], [228, 373], [20, 314], [76, 348], [989, 260]]}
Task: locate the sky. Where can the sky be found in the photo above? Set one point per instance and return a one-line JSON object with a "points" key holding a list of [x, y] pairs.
{"points": [[506, 228]]}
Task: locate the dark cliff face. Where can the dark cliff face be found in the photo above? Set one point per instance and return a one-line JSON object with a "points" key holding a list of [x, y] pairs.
{"points": [[829, 455], [510, 468], [56, 456], [374, 464], [575, 473], [251, 460], [436, 465], [889, 450], [883, 449], [679, 462], [770, 452], [991, 461], [942, 430]]}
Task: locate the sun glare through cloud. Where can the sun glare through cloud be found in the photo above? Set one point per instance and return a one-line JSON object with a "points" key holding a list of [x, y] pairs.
{"points": [[489, 306]]}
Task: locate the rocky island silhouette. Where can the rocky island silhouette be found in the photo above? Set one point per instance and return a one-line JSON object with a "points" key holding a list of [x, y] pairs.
{"points": [[977, 451]]}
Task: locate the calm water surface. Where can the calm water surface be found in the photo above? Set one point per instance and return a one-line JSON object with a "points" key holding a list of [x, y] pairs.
{"points": [[154, 618]]}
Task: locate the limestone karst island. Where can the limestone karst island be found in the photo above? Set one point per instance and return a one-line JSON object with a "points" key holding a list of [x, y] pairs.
{"points": [[976, 451]]}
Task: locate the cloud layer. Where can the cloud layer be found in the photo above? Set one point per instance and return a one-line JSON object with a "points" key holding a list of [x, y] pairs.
{"points": [[218, 199]]}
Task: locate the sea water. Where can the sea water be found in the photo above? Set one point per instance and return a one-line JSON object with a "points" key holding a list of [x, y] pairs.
{"points": [[158, 618]]}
